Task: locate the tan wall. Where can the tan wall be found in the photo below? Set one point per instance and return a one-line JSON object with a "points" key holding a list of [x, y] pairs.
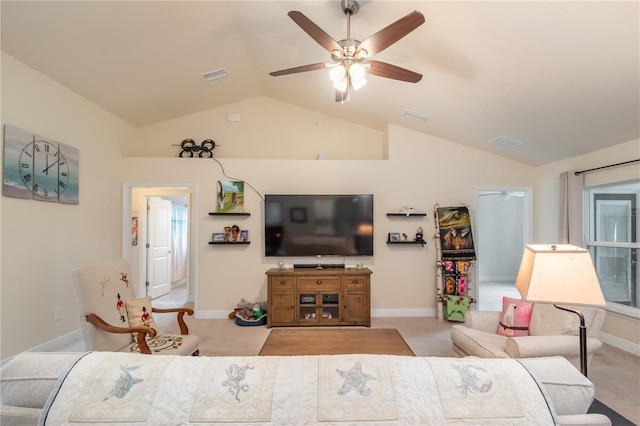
{"points": [[42, 242], [267, 129]]}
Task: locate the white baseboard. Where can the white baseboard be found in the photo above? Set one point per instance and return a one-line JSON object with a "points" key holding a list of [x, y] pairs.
{"points": [[59, 343], [497, 278], [211, 315], [389, 313], [623, 345], [56, 345]]}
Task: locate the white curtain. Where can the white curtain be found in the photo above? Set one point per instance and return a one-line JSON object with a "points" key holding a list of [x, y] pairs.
{"points": [[179, 219], [571, 188]]}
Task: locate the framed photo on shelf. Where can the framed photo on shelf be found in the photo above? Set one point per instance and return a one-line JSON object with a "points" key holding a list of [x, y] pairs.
{"points": [[244, 235], [394, 236], [217, 237]]}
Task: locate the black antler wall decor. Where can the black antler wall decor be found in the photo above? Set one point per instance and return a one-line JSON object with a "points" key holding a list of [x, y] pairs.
{"points": [[204, 150]]}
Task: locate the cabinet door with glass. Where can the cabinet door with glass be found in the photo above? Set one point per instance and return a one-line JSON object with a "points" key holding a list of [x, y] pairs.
{"points": [[319, 299]]}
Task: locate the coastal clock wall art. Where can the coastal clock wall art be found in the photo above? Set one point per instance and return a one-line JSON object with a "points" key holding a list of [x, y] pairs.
{"points": [[39, 168]]}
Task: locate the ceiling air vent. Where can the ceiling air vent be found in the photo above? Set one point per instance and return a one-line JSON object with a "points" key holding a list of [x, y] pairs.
{"points": [[215, 75], [505, 142], [416, 116]]}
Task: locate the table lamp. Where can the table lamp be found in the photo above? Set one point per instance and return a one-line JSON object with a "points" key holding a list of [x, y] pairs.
{"points": [[559, 274]]}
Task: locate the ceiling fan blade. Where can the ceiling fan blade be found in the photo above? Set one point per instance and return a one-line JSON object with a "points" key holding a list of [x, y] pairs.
{"points": [[316, 33], [383, 69], [303, 68], [392, 33]]}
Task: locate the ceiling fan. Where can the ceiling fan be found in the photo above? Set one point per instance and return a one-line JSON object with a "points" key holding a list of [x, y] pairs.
{"points": [[351, 58]]}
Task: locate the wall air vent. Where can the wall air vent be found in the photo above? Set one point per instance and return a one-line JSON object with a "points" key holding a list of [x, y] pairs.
{"points": [[215, 75], [505, 142]]}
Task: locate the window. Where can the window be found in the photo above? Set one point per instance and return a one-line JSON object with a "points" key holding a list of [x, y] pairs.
{"points": [[614, 243]]}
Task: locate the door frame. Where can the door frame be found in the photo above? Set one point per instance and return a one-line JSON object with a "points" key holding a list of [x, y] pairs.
{"points": [[193, 190]]}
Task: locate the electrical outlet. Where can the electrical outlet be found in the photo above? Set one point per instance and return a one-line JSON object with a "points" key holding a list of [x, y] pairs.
{"points": [[57, 314]]}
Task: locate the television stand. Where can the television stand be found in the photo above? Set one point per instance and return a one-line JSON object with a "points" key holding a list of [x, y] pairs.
{"points": [[318, 297], [318, 265]]}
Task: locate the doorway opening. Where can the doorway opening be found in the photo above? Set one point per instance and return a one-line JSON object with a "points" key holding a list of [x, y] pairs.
{"points": [[170, 278], [504, 225]]}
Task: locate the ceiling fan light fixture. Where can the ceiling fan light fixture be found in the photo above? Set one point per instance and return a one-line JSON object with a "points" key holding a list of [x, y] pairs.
{"points": [[356, 71], [341, 85], [337, 74], [357, 83]]}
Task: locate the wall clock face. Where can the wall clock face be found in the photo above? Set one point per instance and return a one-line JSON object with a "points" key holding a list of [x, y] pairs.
{"points": [[38, 168], [46, 168]]}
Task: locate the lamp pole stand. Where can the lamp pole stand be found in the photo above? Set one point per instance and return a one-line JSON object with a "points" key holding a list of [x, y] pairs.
{"points": [[583, 339]]}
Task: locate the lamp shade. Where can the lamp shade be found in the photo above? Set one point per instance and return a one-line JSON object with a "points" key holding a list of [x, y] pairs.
{"points": [[558, 273]]}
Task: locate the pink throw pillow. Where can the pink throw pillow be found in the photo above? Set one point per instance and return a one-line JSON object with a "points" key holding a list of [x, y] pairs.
{"points": [[514, 320]]}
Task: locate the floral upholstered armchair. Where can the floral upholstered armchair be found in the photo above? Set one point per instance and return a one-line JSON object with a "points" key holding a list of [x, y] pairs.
{"points": [[113, 319]]}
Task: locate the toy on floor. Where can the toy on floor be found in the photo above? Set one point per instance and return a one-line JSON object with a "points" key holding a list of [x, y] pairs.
{"points": [[248, 310]]}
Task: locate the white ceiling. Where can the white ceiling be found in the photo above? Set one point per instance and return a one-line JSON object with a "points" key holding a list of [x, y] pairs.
{"points": [[562, 77]]}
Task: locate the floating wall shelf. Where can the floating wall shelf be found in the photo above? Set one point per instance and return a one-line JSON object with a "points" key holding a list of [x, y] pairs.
{"points": [[229, 242], [405, 215], [228, 214], [405, 242]]}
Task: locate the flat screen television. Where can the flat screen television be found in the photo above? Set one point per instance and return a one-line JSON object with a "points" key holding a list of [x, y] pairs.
{"points": [[318, 225]]}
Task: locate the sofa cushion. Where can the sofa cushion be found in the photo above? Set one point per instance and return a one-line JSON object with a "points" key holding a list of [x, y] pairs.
{"points": [[514, 320], [546, 320], [570, 392], [26, 381], [478, 343], [19, 416]]}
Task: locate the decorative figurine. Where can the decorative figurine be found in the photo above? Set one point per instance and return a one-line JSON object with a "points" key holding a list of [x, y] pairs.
{"points": [[420, 236]]}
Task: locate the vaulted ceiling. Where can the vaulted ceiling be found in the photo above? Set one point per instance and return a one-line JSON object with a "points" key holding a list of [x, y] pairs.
{"points": [[562, 77]]}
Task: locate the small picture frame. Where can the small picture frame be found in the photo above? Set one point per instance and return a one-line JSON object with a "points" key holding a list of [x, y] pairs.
{"points": [[244, 235], [394, 236], [217, 237]]}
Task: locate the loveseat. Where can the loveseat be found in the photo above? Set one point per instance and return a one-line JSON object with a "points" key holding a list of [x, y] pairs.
{"points": [[551, 332], [134, 389]]}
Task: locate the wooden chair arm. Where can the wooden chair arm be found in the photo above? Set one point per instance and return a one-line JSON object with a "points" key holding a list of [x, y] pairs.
{"points": [[141, 332], [181, 311]]}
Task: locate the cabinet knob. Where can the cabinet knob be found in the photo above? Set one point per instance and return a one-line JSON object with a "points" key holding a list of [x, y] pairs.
{"points": [[319, 282], [354, 282], [283, 282]]}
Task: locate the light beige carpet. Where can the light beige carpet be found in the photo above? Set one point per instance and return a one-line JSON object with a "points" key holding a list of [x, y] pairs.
{"points": [[314, 341]]}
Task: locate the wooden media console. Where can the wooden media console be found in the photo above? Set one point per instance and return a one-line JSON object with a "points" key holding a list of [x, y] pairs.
{"points": [[318, 297]]}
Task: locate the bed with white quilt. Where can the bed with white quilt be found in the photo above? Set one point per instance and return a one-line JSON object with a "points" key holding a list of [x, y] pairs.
{"points": [[132, 389]]}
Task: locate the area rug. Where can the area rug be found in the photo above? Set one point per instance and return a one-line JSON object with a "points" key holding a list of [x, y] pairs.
{"points": [[341, 341]]}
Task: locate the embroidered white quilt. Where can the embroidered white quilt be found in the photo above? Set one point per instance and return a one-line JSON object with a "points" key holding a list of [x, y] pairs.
{"points": [[133, 389]]}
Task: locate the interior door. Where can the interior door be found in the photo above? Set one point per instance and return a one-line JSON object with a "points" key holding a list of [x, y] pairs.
{"points": [[158, 247]]}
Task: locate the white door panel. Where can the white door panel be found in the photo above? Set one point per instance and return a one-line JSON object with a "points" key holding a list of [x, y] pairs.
{"points": [[159, 246]]}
